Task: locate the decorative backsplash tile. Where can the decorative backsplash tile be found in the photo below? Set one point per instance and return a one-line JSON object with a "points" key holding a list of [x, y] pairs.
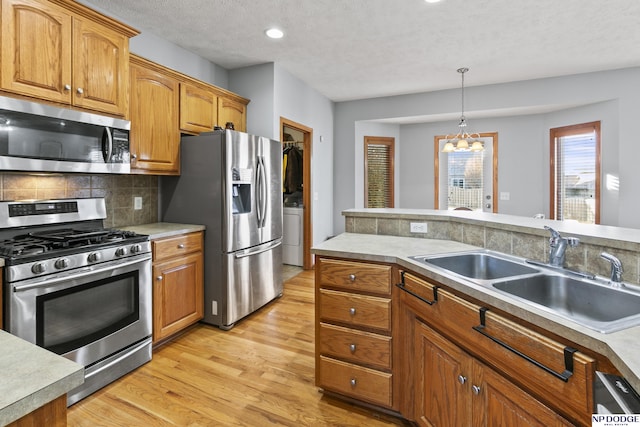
{"points": [[119, 192]]}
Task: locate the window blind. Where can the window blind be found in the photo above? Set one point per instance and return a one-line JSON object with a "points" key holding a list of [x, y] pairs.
{"points": [[576, 176], [379, 174]]}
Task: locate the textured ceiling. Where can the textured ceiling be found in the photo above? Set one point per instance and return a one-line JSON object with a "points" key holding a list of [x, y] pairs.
{"points": [[354, 49]]}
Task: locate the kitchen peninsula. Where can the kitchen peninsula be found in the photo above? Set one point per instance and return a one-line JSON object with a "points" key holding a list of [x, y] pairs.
{"points": [[381, 238]]}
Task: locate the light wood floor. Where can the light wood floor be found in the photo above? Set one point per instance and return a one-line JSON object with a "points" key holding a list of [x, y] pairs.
{"points": [[260, 373]]}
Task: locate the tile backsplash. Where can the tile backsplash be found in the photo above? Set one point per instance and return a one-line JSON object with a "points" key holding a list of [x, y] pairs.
{"points": [[119, 192]]}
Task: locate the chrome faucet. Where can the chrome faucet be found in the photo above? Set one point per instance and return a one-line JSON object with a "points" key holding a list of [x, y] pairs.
{"points": [[616, 268], [558, 247]]}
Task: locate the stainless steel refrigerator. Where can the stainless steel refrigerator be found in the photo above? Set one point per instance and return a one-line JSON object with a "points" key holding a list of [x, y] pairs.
{"points": [[231, 182]]}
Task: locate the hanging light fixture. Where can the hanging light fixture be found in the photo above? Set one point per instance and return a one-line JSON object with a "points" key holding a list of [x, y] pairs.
{"points": [[460, 142]]}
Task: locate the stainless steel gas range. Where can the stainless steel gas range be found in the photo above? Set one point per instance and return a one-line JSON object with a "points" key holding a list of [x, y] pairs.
{"points": [[77, 288]]}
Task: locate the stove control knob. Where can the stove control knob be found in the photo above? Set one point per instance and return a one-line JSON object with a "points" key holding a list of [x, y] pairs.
{"points": [[135, 249], [38, 268], [94, 257], [121, 251], [61, 263]]}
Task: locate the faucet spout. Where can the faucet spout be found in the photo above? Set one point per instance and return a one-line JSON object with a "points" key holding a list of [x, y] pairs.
{"points": [[616, 268], [558, 246]]}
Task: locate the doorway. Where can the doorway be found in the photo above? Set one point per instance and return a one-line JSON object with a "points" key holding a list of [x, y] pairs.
{"points": [[296, 196], [467, 180]]}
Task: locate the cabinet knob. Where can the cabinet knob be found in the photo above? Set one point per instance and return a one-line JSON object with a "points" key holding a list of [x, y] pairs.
{"points": [[159, 278], [67, 87], [462, 379], [80, 91], [352, 277], [352, 311], [353, 382], [181, 246], [134, 156], [352, 348], [476, 390]]}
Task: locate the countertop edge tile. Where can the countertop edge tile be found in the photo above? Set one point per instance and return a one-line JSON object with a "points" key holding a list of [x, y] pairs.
{"points": [[49, 376], [159, 230]]}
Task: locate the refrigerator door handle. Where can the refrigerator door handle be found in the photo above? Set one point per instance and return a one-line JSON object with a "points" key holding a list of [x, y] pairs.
{"points": [[262, 193], [247, 253]]}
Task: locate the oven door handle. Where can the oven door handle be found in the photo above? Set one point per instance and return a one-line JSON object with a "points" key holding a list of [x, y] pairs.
{"points": [[77, 274]]}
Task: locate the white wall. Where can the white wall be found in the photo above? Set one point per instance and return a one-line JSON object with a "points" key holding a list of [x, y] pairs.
{"points": [[609, 96]]}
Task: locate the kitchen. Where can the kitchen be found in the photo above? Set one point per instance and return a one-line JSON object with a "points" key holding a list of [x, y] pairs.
{"points": [[122, 212]]}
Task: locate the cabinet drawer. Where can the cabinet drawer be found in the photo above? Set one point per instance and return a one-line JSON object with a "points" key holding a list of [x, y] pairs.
{"points": [[176, 246], [357, 310], [355, 381], [356, 346], [358, 276]]}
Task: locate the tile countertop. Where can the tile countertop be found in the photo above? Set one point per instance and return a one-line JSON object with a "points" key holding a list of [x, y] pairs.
{"points": [[159, 230], [621, 348], [32, 377]]}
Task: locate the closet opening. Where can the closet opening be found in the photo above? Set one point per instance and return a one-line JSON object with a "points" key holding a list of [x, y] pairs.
{"points": [[296, 193]]}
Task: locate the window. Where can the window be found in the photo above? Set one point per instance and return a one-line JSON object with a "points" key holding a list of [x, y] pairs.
{"points": [[378, 171], [575, 173]]}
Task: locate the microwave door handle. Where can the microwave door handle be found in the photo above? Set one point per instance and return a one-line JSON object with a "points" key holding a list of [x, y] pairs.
{"points": [[108, 149]]}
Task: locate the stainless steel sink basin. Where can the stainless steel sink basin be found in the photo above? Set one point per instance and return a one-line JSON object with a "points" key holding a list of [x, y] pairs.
{"points": [[478, 265], [592, 304]]}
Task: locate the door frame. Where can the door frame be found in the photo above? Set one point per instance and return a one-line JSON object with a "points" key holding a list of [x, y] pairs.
{"points": [[436, 167], [307, 132]]}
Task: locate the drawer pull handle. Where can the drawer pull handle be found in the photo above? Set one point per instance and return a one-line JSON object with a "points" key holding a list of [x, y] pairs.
{"points": [[462, 379], [352, 348], [568, 351], [476, 390], [352, 277], [352, 311], [353, 382], [435, 292], [181, 246]]}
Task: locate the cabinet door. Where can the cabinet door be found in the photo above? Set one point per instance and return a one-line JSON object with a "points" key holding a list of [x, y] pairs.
{"points": [[232, 111], [198, 109], [36, 50], [177, 294], [443, 374], [100, 68], [498, 402], [155, 135]]}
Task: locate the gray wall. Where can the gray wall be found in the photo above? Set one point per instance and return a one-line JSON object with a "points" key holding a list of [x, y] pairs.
{"points": [[608, 96]]}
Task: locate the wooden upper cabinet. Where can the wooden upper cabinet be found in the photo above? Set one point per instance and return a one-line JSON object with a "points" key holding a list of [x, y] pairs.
{"points": [[100, 68], [198, 109], [230, 110], [63, 52], [36, 49], [155, 133]]}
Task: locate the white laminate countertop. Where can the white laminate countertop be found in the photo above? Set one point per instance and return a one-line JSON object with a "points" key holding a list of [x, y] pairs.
{"points": [[31, 377], [621, 348], [158, 230]]}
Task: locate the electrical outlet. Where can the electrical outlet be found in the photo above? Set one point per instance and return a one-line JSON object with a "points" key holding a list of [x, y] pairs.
{"points": [[137, 203], [505, 195], [418, 227]]}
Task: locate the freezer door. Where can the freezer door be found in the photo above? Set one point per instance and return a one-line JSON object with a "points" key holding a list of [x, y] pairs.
{"points": [[254, 278]]}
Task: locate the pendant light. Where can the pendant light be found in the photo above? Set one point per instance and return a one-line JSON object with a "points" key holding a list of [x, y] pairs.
{"points": [[460, 142]]}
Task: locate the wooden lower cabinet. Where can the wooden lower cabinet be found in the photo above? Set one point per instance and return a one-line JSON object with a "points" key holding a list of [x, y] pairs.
{"points": [[52, 414], [452, 388], [178, 299], [354, 324]]}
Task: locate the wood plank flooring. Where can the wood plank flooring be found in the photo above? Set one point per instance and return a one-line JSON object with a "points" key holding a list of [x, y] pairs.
{"points": [[260, 373]]}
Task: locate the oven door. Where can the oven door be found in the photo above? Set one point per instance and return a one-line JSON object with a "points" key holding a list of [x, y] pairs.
{"points": [[86, 315]]}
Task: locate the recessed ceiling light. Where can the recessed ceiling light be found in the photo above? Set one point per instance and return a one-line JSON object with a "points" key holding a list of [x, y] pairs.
{"points": [[274, 33], [432, 1]]}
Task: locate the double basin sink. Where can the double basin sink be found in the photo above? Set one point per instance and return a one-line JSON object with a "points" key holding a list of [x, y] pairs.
{"points": [[592, 302]]}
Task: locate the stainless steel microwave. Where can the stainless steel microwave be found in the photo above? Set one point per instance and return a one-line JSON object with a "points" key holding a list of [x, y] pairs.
{"points": [[43, 138]]}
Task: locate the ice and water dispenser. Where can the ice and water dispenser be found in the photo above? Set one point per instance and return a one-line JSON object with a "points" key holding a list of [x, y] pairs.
{"points": [[241, 190]]}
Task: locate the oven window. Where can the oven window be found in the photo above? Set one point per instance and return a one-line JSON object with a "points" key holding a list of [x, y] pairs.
{"points": [[71, 318]]}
